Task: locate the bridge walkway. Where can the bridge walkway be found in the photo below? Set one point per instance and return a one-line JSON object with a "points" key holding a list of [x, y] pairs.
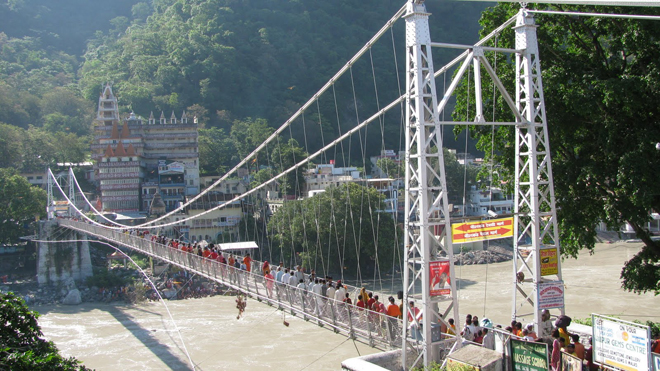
{"points": [[376, 329]]}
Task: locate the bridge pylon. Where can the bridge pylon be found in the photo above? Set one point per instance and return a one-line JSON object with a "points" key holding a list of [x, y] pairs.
{"points": [[429, 263], [537, 280]]}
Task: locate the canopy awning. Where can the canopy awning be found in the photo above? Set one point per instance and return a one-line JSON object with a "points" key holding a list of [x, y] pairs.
{"points": [[238, 246]]}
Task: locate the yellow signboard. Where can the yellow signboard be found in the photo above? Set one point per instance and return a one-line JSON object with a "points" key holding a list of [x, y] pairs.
{"points": [[549, 262], [482, 230]]}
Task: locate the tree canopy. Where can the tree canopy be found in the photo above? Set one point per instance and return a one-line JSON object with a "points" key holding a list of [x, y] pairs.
{"points": [[21, 203], [601, 89], [22, 346], [340, 229]]}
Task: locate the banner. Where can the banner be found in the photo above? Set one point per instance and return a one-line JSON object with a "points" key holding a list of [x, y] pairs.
{"points": [[482, 230], [439, 278], [549, 262], [620, 344], [550, 295], [655, 357], [528, 356]]}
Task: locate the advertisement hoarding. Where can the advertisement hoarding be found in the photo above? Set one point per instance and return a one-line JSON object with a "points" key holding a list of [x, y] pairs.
{"points": [[620, 344], [439, 278]]}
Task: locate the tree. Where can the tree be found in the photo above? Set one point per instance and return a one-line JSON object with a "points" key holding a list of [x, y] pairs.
{"points": [[22, 346], [11, 142], [21, 203], [343, 228], [283, 158], [601, 92], [216, 151], [392, 169]]}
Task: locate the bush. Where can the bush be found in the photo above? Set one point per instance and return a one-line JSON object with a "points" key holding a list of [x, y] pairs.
{"points": [[104, 278]]}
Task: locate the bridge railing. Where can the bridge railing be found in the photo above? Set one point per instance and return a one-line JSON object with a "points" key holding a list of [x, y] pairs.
{"points": [[377, 329]]}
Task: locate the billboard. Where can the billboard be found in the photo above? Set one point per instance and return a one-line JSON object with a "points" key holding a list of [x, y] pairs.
{"points": [[620, 344], [482, 230], [439, 278]]}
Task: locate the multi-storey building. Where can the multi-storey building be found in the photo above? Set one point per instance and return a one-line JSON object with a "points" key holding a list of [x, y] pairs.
{"points": [[145, 157], [326, 175]]}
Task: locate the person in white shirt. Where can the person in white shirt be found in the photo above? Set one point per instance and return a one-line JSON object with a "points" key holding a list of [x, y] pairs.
{"points": [[299, 273], [489, 339], [293, 280], [301, 285], [340, 294], [285, 277], [331, 292]]}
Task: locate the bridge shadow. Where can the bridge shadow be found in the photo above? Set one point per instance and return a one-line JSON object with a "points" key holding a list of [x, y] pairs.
{"points": [[149, 340], [145, 336]]}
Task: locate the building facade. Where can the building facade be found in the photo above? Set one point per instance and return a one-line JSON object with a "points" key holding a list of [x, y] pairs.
{"points": [[136, 158]]}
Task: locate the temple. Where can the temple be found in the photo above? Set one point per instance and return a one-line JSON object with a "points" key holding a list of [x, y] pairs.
{"points": [[134, 159]]}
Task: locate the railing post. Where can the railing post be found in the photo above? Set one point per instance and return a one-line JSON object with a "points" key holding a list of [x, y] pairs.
{"points": [[350, 321], [334, 316], [302, 303]]}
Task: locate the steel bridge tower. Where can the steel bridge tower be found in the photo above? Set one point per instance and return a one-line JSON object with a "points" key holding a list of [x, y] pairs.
{"points": [[537, 282], [537, 277], [428, 248]]}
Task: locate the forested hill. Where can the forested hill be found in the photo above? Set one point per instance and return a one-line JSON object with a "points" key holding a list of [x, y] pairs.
{"points": [[247, 57], [221, 60]]}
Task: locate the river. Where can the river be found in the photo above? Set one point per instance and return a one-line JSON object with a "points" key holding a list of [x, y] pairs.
{"points": [[143, 337]]}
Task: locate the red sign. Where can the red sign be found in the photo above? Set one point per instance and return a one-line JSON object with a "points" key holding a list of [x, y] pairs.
{"points": [[439, 278]]}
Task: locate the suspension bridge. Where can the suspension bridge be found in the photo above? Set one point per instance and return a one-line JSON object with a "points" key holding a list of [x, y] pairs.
{"points": [[426, 241]]}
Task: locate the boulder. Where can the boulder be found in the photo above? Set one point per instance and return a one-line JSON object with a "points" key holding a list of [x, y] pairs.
{"points": [[72, 298]]}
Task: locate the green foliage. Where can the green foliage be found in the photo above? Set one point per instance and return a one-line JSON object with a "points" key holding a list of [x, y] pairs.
{"points": [[142, 261], [343, 225], [104, 278], [22, 346], [390, 168], [285, 156], [216, 151], [257, 59], [601, 93], [21, 203]]}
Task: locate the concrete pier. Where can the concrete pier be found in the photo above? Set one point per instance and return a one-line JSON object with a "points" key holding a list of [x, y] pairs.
{"points": [[61, 261]]}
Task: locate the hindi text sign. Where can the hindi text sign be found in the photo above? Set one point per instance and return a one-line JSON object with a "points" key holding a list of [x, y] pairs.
{"points": [[482, 230]]}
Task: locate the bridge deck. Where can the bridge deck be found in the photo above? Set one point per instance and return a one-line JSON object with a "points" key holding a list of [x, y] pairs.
{"points": [[376, 329]]}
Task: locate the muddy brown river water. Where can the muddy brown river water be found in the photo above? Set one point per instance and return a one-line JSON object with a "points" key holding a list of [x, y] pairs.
{"points": [[143, 337]]}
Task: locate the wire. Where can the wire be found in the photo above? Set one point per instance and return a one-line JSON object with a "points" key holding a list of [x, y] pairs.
{"points": [[601, 15], [326, 353]]}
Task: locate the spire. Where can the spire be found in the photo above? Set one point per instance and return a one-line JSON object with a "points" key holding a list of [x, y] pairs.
{"points": [[172, 118], [108, 152], [163, 121], [130, 151], [152, 120], [125, 133], [120, 151], [184, 118], [115, 131]]}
